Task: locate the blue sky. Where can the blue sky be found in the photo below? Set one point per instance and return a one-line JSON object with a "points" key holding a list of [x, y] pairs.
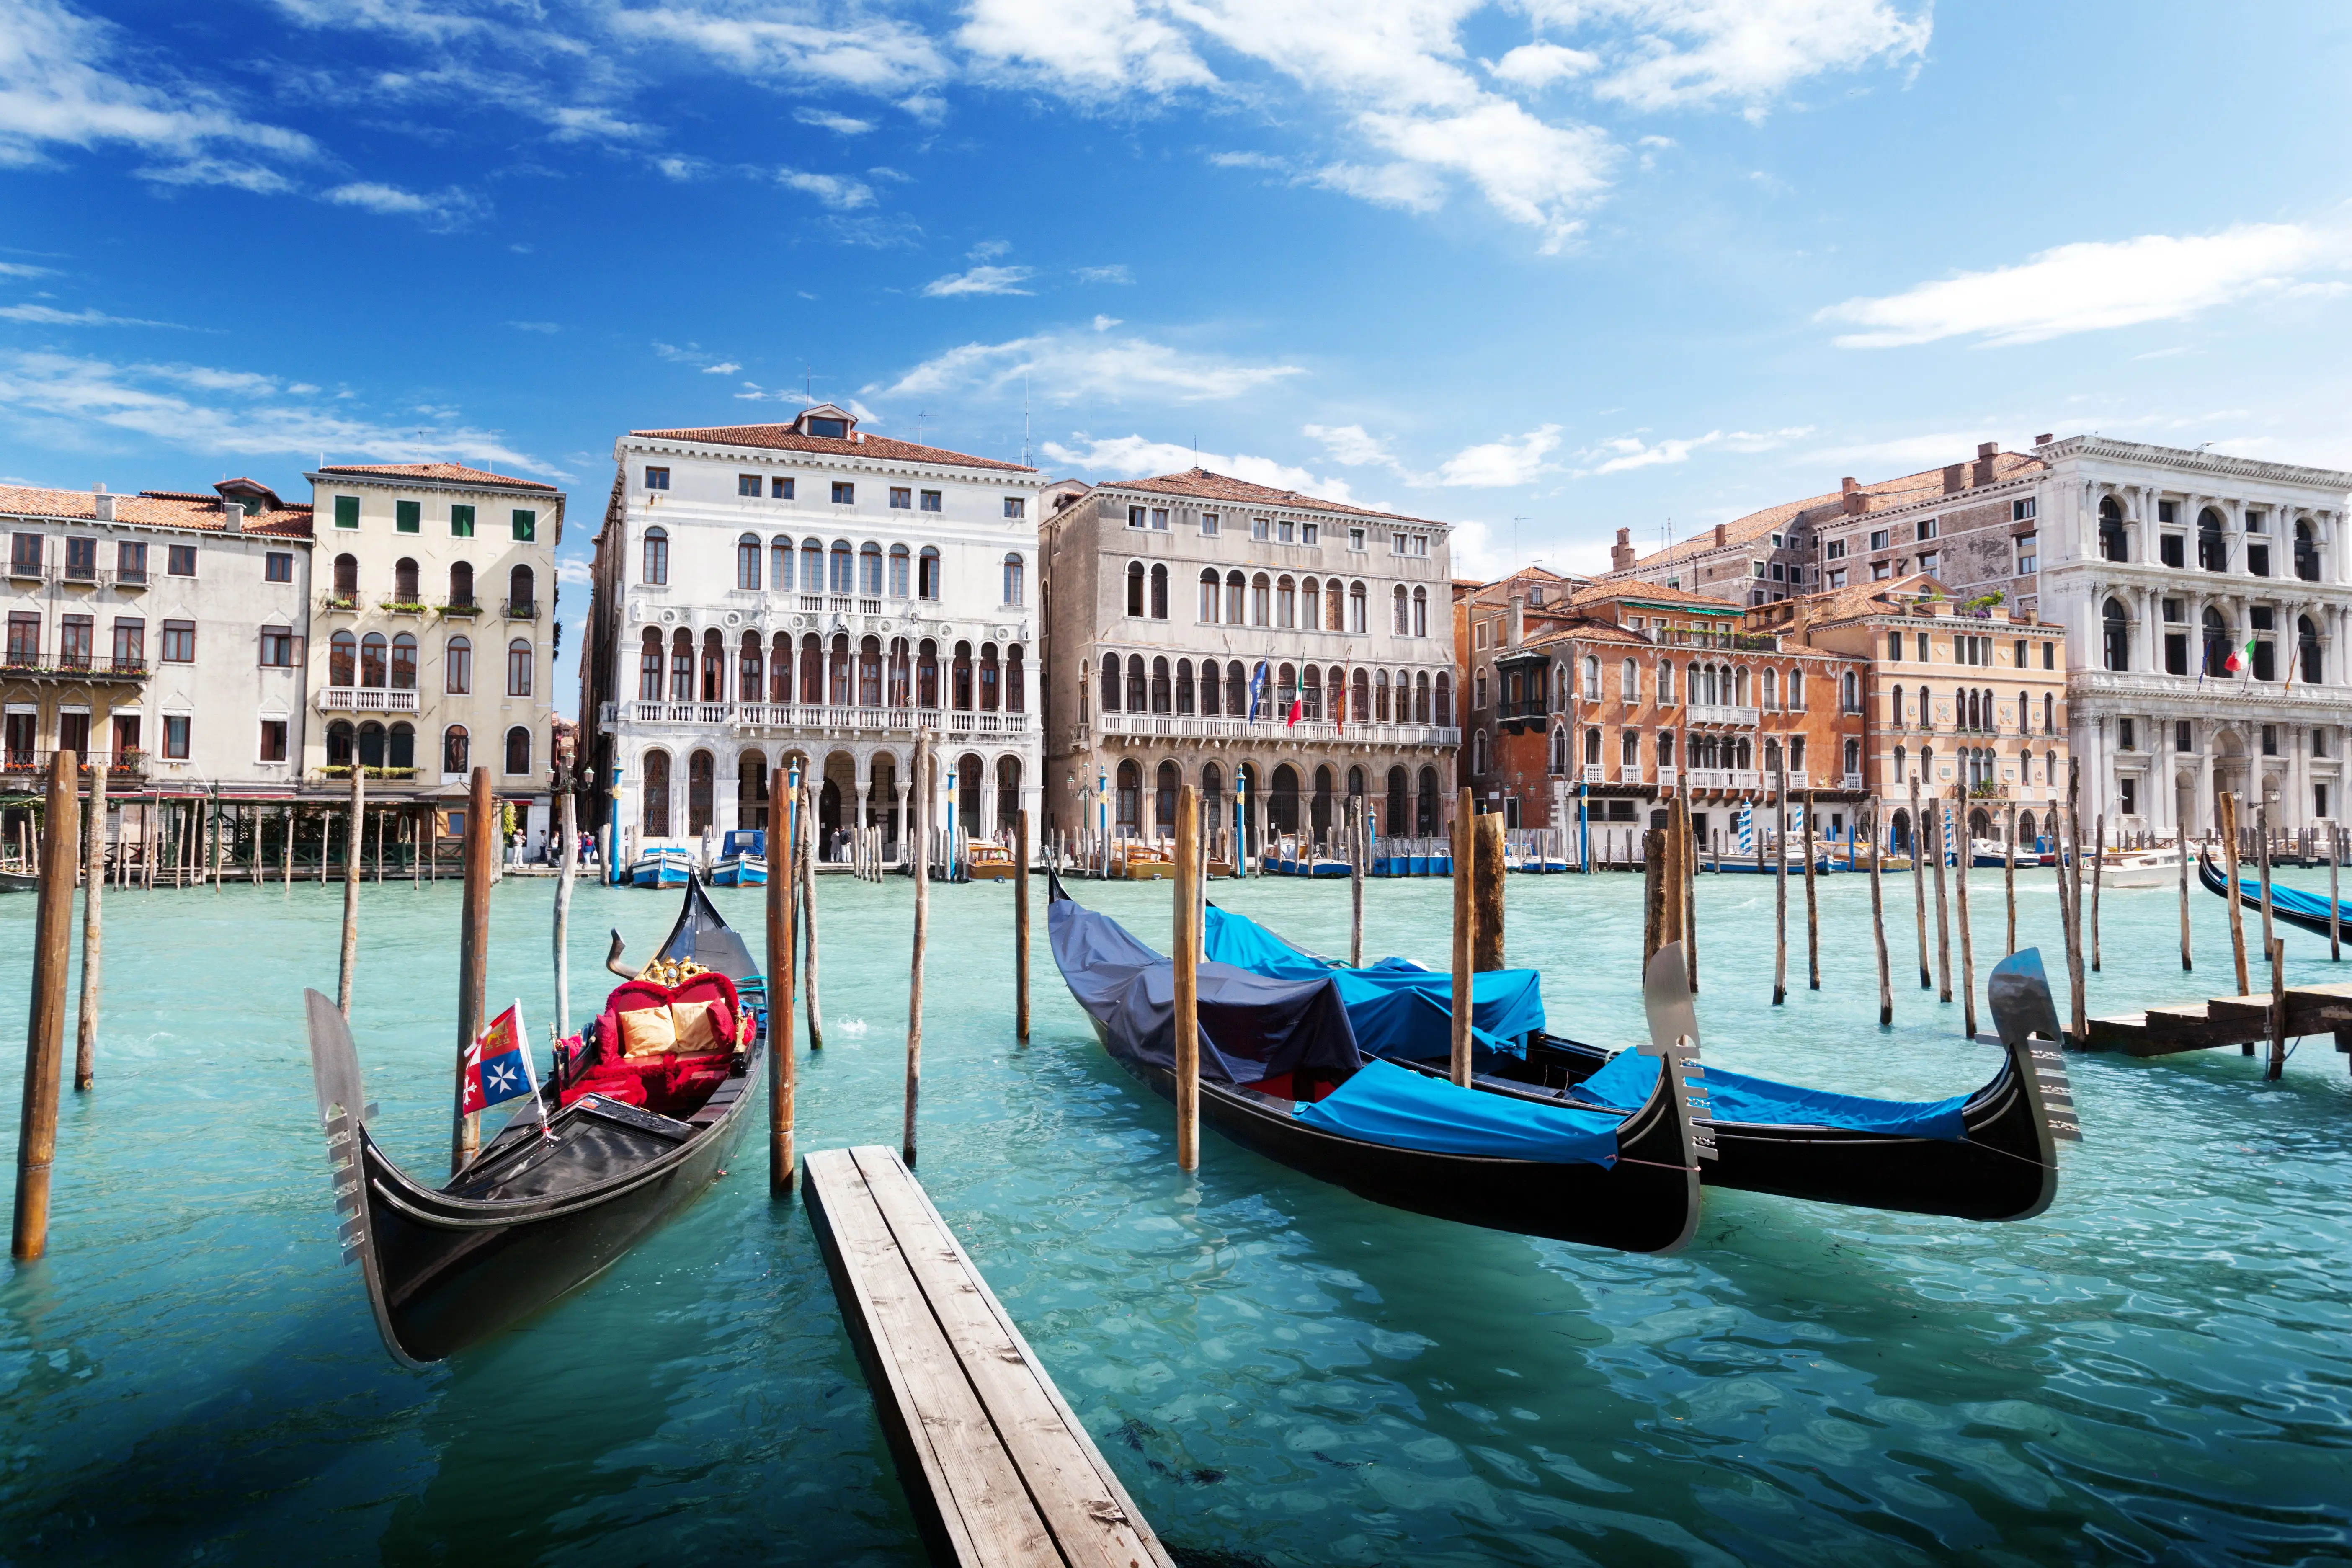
{"points": [[1585, 264]]}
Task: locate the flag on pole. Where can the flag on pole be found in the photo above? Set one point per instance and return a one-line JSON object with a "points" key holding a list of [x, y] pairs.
{"points": [[1257, 690], [2240, 657], [1298, 708], [497, 1065]]}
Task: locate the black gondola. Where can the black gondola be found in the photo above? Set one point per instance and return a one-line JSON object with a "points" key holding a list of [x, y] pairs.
{"points": [[2001, 1165], [556, 1198], [1646, 1199], [2294, 907]]}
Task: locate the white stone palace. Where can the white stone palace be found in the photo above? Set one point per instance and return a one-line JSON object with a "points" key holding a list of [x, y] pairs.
{"points": [[809, 593]]}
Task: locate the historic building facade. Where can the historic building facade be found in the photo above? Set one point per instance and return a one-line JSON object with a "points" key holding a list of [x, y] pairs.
{"points": [[809, 594], [1972, 700], [1204, 630], [161, 631], [433, 629], [1639, 693]]}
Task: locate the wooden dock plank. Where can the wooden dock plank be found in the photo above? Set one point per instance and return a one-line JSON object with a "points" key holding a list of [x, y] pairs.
{"points": [[995, 1464], [1095, 1526], [964, 1487]]}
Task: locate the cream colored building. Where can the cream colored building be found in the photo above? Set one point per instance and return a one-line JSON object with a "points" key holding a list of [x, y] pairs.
{"points": [[433, 627]]}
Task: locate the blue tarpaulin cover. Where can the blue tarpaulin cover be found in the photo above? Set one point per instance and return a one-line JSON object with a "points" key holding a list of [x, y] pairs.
{"points": [[1625, 1083], [1397, 1007], [1388, 1104], [2312, 906]]}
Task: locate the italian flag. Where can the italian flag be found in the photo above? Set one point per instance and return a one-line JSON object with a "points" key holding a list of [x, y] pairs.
{"points": [[2240, 657]]}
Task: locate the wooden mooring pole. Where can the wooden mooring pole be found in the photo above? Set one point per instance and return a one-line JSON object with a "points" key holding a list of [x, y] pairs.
{"points": [[473, 962], [1919, 885], [1937, 842], [1466, 929], [2335, 910], [1358, 851], [1812, 907], [2237, 912], [1486, 889], [2277, 1065], [924, 785], [1781, 885], [2073, 876], [2262, 849], [568, 868], [1967, 932], [1021, 927], [350, 890], [2098, 880], [1878, 921], [2008, 877], [808, 845], [94, 883], [2187, 961], [45, 1038], [782, 954], [1683, 851], [1188, 980]]}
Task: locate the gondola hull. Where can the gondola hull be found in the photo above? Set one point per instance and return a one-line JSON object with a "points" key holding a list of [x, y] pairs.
{"points": [[2304, 911], [537, 1212]]}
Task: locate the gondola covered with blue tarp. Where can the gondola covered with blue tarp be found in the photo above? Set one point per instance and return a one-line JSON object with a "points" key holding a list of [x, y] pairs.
{"points": [[1281, 1074], [1989, 1154], [2294, 905]]}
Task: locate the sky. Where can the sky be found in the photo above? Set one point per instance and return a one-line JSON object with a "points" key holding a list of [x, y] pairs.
{"points": [[1540, 270]]}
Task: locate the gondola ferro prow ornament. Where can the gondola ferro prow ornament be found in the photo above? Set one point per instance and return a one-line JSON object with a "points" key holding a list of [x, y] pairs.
{"points": [[613, 958], [2023, 1008], [1674, 1040]]}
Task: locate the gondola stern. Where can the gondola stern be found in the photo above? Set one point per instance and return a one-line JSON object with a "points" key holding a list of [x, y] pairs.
{"points": [[343, 1114], [1678, 1102], [2023, 1009]]}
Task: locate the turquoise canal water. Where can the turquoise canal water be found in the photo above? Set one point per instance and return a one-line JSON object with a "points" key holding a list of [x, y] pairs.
{"points": [[2159, 1370]]}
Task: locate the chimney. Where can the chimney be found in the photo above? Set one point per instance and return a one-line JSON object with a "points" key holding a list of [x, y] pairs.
{"points": [[1620, 554], [102, 504], [1852, 497], [1956, 478], [233, 516], [2043, 440], [1518, 629], [1719, 532], [1982, 472]]}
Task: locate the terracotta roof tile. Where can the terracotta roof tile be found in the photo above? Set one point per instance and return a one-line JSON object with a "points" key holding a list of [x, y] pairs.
{"points": [[785, 438], [1886, 495], [454, 473], [1604, 592], [1207, 486], [154, 509]]}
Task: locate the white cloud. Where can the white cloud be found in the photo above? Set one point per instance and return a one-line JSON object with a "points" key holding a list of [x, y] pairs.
{"points": [[1095, 50], [1355, 447], [240, 173], [1104, 323], [1532, 171], [980, 281], [874, 55], [836, 190], [988, 250], [23, 269], [693, 355], [841, 124], [1680, 54], [724, 367], [443, 209], [2091, 285], [1415, 190], [203, 409], [1632, 452], [1064, 367], [1502, 464], [1127, 456], [1532, 66], [1116, 273], [57, 88], [49, 316], [535, 326]]}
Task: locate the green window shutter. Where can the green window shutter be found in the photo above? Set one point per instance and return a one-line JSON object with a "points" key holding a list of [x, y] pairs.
{"points": [[408, 516], [526, 526], [461, 522], [347, 512]]}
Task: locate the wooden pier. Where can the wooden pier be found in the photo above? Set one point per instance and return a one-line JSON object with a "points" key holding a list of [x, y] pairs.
{"points": [[2225, 1021], [996, 1468]]}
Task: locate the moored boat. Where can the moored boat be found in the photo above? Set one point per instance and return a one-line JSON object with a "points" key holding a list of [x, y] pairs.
{"points": [[2306, 911], [663, 866], [623, 1136], [743, 860], [988, 863]]}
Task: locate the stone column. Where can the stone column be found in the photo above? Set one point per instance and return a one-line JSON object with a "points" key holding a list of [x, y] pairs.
{"points": [[2202, 733], [902, 822]]}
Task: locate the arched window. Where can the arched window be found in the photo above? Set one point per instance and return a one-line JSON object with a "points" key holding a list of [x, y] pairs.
{"points": [[1665, 748], [926, 674], [869, 570], [1310, 606], [1138, 701], [459, 662], [1558, 751], [518, 663], [1421, 698], [1478, 751], [2307, 554], [1207, 608], [1356, 608], [837, 692], [700, 778], [1901, 759], [1420, 612], [1128, 809], [2307, 649], [1159, 593], [1592, 678], [1164, 784], [402, 753], [404, 662], [1236, 689], [746, 562], [1014, 573], [1666, 683], [1894, 708], [1399, 806], [1400, 612], [1160, 692], [1850, 693], [714, 666], [869, 672], [681, 666], [1135, 589], [656, 556], [930, 573], [844, 567], [1212, 689], [1593, 746], [901, 572], [2049, 714], [780, 566], [656, 792], [347, 577], [1359, 705], [2212, 547], [454, 753], [1796, 691], [960, 678], [1234, 590], [779, 669], [1310, 694], [1261, 600], [461, 583], [372, 659], [1381, 696], [403, 580], [1184, 686], [750, 676], [1771, 696], [1110, 683], [1016, 686], [2111, 545], [2117, 636], [521, 586], [519, 750], [1628, 683], [1853, 757], [898, 678], [2217, 642], [812, 565], [1286, 602], [344, 659], [1443, 714]]}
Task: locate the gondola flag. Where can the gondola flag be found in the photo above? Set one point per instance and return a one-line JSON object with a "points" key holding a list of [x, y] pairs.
{"points": [[497, 1065]]}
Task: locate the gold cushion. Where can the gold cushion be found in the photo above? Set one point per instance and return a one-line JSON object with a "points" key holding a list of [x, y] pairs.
{"points": [[648, 1032], [697, 1028]]}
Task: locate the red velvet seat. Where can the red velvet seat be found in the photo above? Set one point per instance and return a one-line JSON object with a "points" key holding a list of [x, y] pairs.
{"points": [[672, 1084]]}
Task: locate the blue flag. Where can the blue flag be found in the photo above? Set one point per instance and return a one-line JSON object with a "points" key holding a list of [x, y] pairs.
{"points": [[1258, 680]]}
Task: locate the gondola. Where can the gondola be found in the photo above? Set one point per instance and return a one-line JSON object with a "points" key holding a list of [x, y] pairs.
{"points": [[1989, 1155], [611, 1150], [2306, 911], [1281, 1076]]}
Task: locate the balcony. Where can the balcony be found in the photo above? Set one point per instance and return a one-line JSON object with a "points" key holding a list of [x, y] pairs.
{"points": [[403, 606], [127, 763], [519, 609], [1593, 773], [467, 607], [1629, 773], [338, 603], [70, 668], [365, 700], [1718, 716], [1192, 727]]}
